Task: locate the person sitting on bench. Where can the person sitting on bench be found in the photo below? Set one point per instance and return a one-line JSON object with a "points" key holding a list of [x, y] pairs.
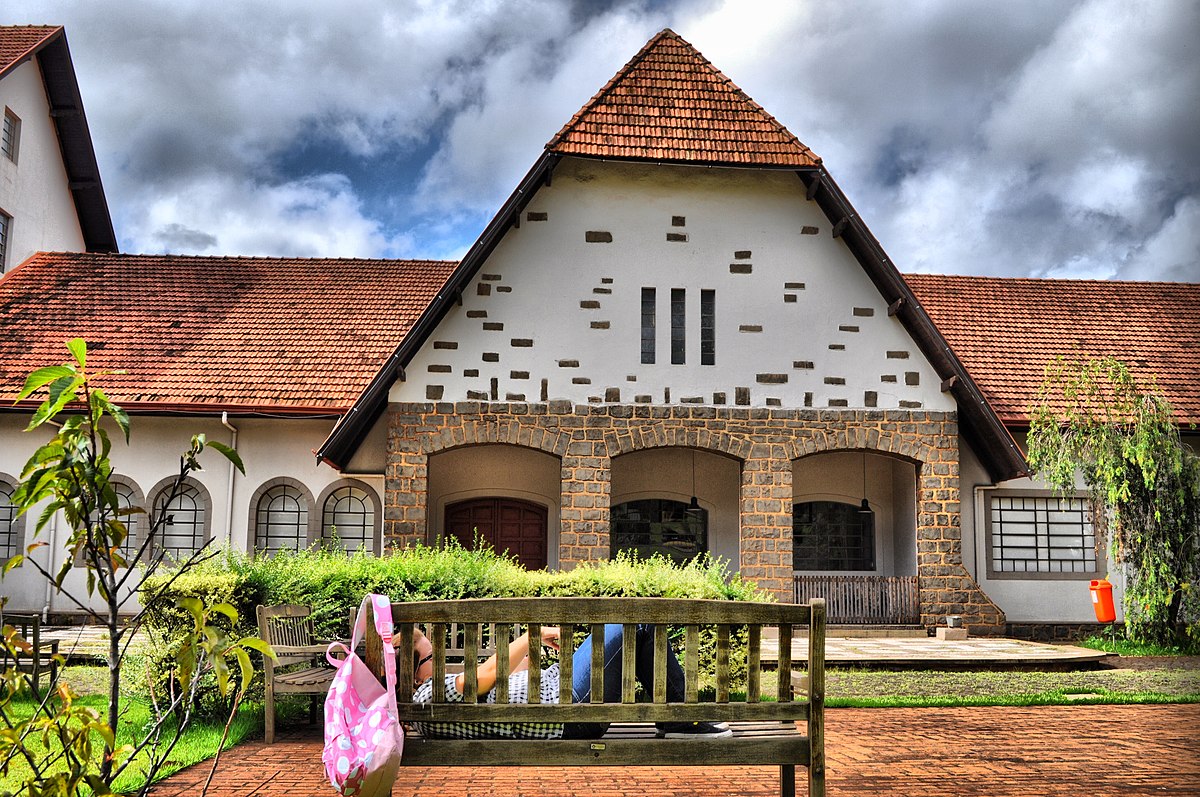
{"points": [[581, 688]]}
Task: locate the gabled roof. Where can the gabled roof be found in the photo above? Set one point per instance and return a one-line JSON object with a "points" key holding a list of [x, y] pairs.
{"points": [[206, 334], [49, 45], [1007, 330], [670, 104]]}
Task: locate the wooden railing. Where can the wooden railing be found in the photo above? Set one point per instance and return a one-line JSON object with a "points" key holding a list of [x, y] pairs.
{"points": [[861, 600]]}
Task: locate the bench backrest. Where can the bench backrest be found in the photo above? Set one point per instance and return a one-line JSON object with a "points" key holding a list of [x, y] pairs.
{"points": [[286, 626], [590, 615]]}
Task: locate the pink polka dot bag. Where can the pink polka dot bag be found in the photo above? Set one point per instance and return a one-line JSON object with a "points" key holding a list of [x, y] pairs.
{"points": [[363, 738]]}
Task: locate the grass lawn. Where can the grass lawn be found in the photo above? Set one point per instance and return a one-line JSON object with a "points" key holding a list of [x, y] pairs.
{"points": [[1169, 681], [198, 743]]}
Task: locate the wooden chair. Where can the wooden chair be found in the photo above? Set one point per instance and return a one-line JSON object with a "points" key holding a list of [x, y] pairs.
{"points": [[42, 660], [288, 629]]}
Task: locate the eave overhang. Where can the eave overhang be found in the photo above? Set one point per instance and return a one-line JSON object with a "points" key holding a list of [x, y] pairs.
{"points": [[350, 431], [980, 424]]}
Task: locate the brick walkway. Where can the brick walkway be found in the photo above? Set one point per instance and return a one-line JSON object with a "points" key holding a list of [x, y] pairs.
{"points": [[1084, 751]]}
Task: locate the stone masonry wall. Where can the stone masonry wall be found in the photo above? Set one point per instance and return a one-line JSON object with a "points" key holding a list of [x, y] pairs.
{"points": [[766, 440]]}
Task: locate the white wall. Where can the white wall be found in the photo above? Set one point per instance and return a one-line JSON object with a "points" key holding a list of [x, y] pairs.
{"points": [[569, 311], [269, 448], [33, 191], [1023, 599]]}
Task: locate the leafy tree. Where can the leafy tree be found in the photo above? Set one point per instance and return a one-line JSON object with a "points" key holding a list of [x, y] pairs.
{"points": [[1096, 419], [71, 474]]}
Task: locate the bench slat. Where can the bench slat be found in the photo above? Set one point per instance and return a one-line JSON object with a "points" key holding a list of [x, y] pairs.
{"points": [[660, 664], [535, 663], [597, 663], [753, 664], [470, 661], [675, 611], [566, 662], [628, 662], [789, 747], [691, 664], [604, 712], [722, 664], [501, 632]]}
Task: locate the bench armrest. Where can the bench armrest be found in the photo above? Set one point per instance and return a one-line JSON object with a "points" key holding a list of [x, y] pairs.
{"points": [[292, 650]]}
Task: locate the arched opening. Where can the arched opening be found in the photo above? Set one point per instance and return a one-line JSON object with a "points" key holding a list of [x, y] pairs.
{"points": [[831, 535], [510, 493]]}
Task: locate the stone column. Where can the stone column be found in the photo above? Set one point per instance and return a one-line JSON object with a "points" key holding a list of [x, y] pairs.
{"points": [[406, 477], [586, 503], [945, 585], [765, 519]]}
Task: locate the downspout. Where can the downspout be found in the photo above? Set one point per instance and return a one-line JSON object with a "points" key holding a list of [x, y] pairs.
{"points": [[48, 606], [229, 483]]}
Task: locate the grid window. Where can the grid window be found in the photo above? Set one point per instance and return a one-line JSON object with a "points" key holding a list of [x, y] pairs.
{"points": [[185, 529], [830, 535], [648, 322], [5, 230], [1042, 534], [349, 518], [678, 326], [127, 498], [9, 541], [708, 327], [659, 526], [282, 520], [10, 135]]}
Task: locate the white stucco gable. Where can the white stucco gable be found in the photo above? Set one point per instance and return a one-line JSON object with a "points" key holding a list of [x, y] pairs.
{"points": [[557, 310]]}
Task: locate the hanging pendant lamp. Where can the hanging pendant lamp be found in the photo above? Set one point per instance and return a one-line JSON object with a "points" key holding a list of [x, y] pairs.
{"points": [[865, 507], [694, 504]]}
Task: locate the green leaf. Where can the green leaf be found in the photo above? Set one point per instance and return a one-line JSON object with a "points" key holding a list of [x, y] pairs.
{"points": [[247, 668], [13, 563], [229, 454], [78, 350], [225, 609], [254, 643], [42, 377]]}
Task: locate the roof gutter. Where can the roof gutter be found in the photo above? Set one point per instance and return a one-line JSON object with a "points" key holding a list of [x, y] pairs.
{"points": [[350, 431], [1003, 459]]}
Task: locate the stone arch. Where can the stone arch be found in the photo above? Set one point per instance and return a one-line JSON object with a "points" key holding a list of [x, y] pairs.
{"points": [[513, 433], [626, 441], [198, 501], [890, 444]]}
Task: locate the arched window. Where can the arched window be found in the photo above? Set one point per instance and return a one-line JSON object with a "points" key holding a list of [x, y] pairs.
{"points": [[186, 518], [829, 535], [128, 497], [281, 517], [349, 516], [659, 525], [11, 525]]}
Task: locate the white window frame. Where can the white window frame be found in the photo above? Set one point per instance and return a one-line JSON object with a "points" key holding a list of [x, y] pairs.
{"points": [[6, 225], [15, 533], [1046, 537]]}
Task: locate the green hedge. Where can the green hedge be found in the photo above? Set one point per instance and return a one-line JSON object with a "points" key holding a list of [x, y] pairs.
{"points": [[334, 583]]}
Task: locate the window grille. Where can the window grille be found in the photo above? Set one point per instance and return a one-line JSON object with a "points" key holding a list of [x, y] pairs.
{"points": [[648, 323], [678, 326], [830, 535], [349, 518], [185, 528], [659, 526], [1041, 534], [708, 327], [9, 541], [281, 520]]}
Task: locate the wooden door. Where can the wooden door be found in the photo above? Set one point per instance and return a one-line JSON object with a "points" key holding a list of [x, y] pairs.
{"points": [[518, 527]]}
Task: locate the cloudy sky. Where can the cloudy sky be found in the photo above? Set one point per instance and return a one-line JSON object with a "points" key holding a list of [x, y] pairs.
{"points": [[1026, 137]]}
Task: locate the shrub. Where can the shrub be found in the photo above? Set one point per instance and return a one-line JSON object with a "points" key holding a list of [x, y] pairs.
{"points": [[333, 583]]}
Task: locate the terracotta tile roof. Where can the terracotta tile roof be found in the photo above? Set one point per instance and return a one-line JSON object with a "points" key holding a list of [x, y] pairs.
{"points": [[16, 42], [670, 104], [229, 333], [1006, 330]]}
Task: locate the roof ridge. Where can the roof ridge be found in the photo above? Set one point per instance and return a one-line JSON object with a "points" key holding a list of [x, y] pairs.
{"points": [[259, 258], [1045, 280], [685, 87]]}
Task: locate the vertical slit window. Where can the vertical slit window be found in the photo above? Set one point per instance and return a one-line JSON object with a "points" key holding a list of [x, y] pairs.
{"points": [[678, 326], [648, 299], [708, 327], [10, 135], [5, 227]]}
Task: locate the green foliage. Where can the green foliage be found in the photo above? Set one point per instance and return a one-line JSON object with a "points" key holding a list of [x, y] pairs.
{"points": [[1128, 647], [1095, 418], [333, 583], [71, 475]]}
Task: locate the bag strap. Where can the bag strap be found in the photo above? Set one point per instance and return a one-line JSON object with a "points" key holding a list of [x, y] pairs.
{"points": [[382, 612]]}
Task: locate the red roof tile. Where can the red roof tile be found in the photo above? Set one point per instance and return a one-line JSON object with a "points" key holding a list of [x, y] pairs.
{"points": [[670, 104], [1006, 331], [16, 42], [228, 333]]}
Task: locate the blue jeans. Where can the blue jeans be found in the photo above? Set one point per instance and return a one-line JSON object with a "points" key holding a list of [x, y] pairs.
{"points": [[581, 675]]}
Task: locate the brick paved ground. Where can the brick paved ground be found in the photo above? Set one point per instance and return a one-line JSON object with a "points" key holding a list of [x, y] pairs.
{"points": [[1090, 751]]}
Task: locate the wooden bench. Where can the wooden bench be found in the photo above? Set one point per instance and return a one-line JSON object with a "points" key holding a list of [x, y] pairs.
{"points": [[288, 629], [786, 732], [42, 658]]}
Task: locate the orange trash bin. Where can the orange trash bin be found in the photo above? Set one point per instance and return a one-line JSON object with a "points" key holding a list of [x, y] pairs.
{"points": [[1102, 601]]}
